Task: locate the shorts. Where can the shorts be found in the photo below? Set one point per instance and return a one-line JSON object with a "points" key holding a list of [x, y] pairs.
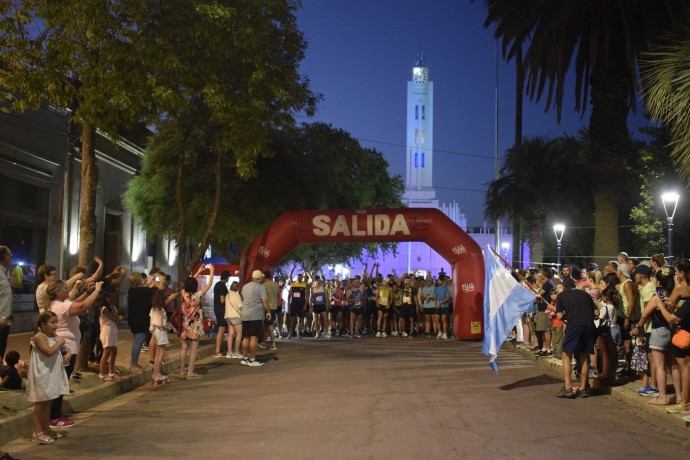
{"points": [[233, 321], [319, 308], [660, 338], [579, 339], [357, 311], [220, 318], [407, 311], [443, 310], [254, 328], [625, 333], [542, 321], [161, 336], [272, 321], [383, 310], [430, 311], [296, 309]]}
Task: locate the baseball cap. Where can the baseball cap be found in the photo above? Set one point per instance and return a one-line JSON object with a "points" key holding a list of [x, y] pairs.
{"points": [[624, 269], [257, 275]]}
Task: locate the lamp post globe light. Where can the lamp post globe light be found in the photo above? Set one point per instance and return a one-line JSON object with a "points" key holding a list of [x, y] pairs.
{"points": [[670, 200], [558, 229]]}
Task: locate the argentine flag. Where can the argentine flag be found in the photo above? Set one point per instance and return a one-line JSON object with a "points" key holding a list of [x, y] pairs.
{"points": [[505, 301]]}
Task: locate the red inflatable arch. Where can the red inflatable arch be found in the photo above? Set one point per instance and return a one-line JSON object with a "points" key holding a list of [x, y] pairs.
{"points": [[428, 225]]}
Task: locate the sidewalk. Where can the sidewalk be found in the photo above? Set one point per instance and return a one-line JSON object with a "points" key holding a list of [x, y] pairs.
{"points": [[623, 392], [15, 410]]}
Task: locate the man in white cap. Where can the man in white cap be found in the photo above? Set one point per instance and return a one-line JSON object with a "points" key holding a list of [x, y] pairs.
{"points": [[255, 309]]}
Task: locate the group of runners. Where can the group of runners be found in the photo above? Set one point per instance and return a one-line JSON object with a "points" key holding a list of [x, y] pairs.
{"points": [[366, 305]]}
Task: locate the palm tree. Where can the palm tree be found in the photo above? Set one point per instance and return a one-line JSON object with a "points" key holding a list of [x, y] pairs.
{"points": [[665, 74], [604, 39], [530, 184]]}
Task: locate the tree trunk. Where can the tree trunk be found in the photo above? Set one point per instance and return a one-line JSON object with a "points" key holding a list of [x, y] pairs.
{"points": [[181, 222], [535, 235], [605, 223], [610, 141], [89, 181], [184, 270]]}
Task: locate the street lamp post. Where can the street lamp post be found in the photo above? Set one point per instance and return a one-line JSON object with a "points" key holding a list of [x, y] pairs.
{"points": [[670, 201], [505, 246], [558, 229]]}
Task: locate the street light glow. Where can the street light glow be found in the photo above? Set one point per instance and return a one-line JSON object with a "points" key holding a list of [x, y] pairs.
{"points": [[559, 229], [670, 198]]}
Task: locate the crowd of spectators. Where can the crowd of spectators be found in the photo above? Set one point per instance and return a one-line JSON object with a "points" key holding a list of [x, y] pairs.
{"points": [[630, 323]]}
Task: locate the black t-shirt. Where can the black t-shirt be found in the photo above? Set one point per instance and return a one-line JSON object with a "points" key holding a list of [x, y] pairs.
{"points": [[220, 289], [15, 381], [138, 308], [547, 288], [578, 307]]}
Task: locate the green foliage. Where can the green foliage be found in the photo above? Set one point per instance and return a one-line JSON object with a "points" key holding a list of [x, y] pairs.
{"points": [[311, 167], [666, 88]]}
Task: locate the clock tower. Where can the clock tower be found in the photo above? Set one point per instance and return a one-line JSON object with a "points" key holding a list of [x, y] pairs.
{"points": [[419, 191]]}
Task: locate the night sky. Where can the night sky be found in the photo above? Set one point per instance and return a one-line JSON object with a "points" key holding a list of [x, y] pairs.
{"points": [[360, 55]]}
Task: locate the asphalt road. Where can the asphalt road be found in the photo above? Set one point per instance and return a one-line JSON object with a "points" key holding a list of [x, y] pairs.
{"points": [[363, 399]]}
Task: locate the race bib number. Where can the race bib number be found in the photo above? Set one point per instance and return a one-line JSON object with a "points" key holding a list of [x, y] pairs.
{"points": [[297, 295], [407, 299], [383, 300]]}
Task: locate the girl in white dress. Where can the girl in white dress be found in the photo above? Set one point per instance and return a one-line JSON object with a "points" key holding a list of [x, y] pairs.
{"points": [[47, 376], [160, 328]]}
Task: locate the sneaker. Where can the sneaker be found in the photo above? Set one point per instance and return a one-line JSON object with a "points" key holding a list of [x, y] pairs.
{"points": [[583, 393], [404, 334], [230, 355], [394, 333], [245, 361], [254, 363], [649, 391], [144, 348], [357, 336], [444, 336], [274, 348], [384, 334], [378, 334], [566, 393], [263, 347], [218, 355], [346, 334], [60, 423], [438, 336]]}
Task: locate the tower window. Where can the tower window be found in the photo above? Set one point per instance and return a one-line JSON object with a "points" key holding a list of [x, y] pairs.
{"points": [[422, 159], [416, 112], [422, 135], [423, 112], [416, 135], [416, 159]]}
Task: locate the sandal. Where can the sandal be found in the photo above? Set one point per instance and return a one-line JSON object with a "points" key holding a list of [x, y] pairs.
{"points": [[42, 438], [114, 377], [658, 401], [54, 434], [218, 355]]}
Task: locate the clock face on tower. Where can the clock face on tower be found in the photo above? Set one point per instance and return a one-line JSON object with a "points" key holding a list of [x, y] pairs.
{"points": [[420, 75]]}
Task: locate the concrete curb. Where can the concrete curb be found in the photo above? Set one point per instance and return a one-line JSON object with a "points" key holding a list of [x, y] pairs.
{"points": [[19, 424], [624, 393]]}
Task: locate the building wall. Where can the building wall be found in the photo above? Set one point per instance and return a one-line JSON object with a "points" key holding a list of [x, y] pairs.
{"points": [[40, 192]]}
